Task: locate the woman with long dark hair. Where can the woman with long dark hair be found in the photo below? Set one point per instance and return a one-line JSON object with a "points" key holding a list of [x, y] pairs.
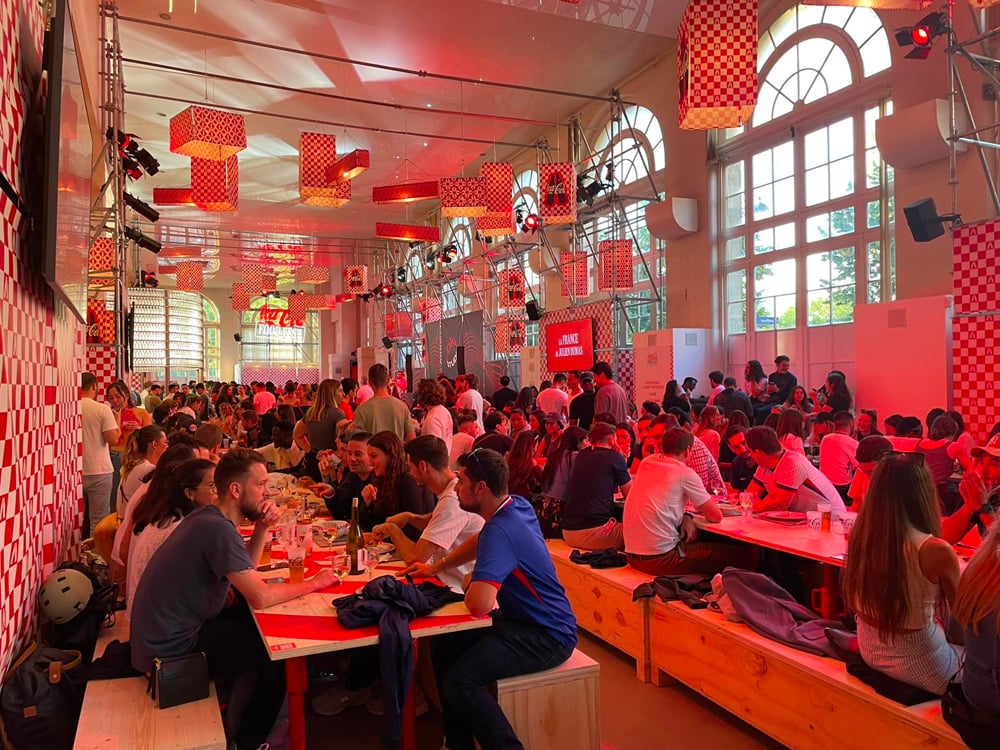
{"points": [[675, 397], [791, 431], [899, 570], [710, 424], [866, 424], [129, 418], [393, 489], [525, 400], [555, 478], [525, 475], [625, 443], [838, 395], [799, 400]]}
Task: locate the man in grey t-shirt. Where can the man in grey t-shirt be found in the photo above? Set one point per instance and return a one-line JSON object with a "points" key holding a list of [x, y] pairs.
{"points": [[382, 412]]}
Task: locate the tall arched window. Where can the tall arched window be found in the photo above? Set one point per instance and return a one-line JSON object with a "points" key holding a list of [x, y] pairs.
{"points": [[805, 199], [213, 346]]}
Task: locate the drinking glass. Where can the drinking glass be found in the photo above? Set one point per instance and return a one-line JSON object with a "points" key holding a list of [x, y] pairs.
{"points": [[371, 559], [296, 563], [826, 513], [340, 564], [814, 520], [265, 553], [746, 505]]}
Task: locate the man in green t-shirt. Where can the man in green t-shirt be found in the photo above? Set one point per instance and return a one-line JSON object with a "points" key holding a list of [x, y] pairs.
{"points": [[382, 412]]}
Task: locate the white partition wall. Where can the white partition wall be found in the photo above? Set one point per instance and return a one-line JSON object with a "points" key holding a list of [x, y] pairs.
{"points": [[531, 365], [673, 353]]}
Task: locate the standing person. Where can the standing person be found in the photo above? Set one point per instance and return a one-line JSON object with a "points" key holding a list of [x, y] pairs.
{"points": [[589, 511], [382, 412], [756, 387], [898, 570], [129, 418], [574, 385], [469, 397], [365, 391], [581, 408], [554, 398], [317, 430], [837, 454], [437, 417], [781, 382], [715, 378], [525, 400], [99, 432], [504, 394], [263, 399], [611, 397], [153, 398], [534, 628], [349, 386]]}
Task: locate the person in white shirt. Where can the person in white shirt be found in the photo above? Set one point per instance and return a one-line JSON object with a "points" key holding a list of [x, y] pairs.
{"points": [[446, 527], [437, 419], [837, 453], [787, 480], [659, 538], [263, 399], [469, 397], [715, 378], [554, 399], [461, 441], [282, 454], [100, 431], [365, 392]]}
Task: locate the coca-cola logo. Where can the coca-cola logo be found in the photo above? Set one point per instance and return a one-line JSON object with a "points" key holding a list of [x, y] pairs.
{"points": [[270, 316]]}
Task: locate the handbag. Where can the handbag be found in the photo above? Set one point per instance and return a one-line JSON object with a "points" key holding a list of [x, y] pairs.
{"points": [[40, 704], [178, 680], [978, 729]]}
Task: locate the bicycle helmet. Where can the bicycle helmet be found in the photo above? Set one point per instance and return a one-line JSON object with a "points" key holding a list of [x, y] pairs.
{"points": [[64, 594]]}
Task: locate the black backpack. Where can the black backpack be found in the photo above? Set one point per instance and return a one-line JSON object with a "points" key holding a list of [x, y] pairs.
{"points": [[39, 704]]}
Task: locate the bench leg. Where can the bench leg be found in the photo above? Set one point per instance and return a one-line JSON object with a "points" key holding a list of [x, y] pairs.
{"points": [[296, 681], [409, 738], [662, 679]]}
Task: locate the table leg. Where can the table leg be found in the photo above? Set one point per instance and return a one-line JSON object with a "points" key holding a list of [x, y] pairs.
{"points": [[296, 681], [410, 708]]}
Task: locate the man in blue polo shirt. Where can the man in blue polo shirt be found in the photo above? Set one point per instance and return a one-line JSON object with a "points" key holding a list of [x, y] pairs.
{"points": [[534, 629]]}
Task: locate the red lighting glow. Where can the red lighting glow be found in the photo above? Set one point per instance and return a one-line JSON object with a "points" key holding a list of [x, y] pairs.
{"points": [[921, 36]]}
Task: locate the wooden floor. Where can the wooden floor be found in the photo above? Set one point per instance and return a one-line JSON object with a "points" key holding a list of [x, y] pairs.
{"points": [[634, 716]]}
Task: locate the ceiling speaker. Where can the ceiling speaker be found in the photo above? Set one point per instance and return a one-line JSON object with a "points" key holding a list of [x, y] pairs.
{"points": [[923, 220], [533, 310], [387, 342]]}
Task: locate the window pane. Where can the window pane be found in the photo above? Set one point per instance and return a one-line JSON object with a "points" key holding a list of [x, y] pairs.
{"points": [[763, 241], [842, 266], [819, 308], [842, 222], [873, 214], [784, 236], [736, 317], [736, 248], [734, 178], [735, 213], [774, 295], [842, 177], [817, 185], [784, 196], [843, 304], [736, 286], [874, 261]]}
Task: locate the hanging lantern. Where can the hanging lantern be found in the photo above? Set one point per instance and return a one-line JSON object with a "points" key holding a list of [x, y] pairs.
{"points": [[509, 334], [101, 258], [317, 154], [356, 280], [350, 166], [173, 196], [215, 185], [495, 225], [321, 302], [499, 178], [510, 288], [407, 232], [429, 309], [407, 192], [575, 276], [297, 306], [557, 193], [180, 251], [973, 3], [463, 196], [268, 283], [253, 278], [398, 325], [614, 264], [312, 274], [190, 277], [241, 298], [203, 133], [717, 64]]}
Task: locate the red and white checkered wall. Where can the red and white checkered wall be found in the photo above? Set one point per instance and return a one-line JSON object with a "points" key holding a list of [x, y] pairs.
{"points": [[279, 375], [41, 357]]}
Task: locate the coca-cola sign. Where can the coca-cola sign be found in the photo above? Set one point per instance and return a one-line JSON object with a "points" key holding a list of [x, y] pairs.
{"points": [[271, 316]]}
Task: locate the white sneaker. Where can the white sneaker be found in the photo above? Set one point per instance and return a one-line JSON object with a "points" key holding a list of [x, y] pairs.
{"points": [[335, 699], [375, 707]]}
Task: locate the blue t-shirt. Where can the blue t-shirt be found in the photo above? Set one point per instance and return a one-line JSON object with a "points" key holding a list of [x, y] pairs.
{"points": [[512, 556]]}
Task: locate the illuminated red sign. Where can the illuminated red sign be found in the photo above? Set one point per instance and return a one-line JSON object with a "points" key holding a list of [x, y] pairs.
{"points": [[569, 346], [271, 316]]}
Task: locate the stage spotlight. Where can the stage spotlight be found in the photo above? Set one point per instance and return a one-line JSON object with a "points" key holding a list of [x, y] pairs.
{"points": [[142, 240], [401, 275], [148, 280], [132, 152], [519, 214], [532, 223], [449, 253], [921, 36], [141, 208], [430, 260], [383, 291]]}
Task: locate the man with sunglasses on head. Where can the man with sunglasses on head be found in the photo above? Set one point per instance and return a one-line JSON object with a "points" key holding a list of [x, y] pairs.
{"points": [[980, 490]]}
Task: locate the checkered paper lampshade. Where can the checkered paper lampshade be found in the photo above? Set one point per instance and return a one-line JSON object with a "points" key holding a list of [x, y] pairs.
{"points": [[499, 178], [241, 297], [203, 133], [429, 309], [321, 302], [317, 154], [312, 274], [253, 277], [297, 306], [575, 275], [557, 193], [406, 192], [717, 64], [614, 265], [399, 325], [463, 196], [183, 196], [509, 334], [190, 277], [407, 232], [101, 258], [350, 166], [495, 225], [510, 288], [356, 280], [268, 283], [215, 185]]}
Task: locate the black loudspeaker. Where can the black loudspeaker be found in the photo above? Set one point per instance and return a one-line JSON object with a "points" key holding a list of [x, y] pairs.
{"points": [[533, 310], [387, 342], [409, 373], [460, 360], [923, 220]]}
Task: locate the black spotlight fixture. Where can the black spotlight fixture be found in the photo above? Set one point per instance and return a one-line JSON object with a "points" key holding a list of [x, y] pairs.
{"points": [[135, 159], [430, 260], [449, 253], [147, 243], [921, 36], [519, 212], [924, 221], [141, 207], [148, 280], [401, 275], [387, 342]]}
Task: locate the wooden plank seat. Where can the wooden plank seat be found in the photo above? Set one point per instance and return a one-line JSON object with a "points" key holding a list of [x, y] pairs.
{"points": [[805, 701], [602, 603], [119, 713]]}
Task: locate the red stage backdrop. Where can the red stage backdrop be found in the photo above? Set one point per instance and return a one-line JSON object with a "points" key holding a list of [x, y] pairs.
{"points": [[569, 346]]}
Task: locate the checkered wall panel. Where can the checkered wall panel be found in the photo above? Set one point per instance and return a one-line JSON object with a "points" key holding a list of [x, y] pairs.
{"points": [[101, 362], [279, 375], [625, 371], [603, 341], [975, 360], [975, 267]]}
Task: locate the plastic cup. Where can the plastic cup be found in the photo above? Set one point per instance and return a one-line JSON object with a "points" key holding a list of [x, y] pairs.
{"points": [[296, 563], [814, 520], [265, 553], [826, 511]]}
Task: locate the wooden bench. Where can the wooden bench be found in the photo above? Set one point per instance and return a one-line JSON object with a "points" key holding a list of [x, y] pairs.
{"points": [[119, 714], [558, 709], [602, 603], [804, 701]]}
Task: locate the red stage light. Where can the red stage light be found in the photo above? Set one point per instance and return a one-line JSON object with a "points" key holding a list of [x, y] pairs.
{"points": [[532, 223], [921, 35], [384, 291]]}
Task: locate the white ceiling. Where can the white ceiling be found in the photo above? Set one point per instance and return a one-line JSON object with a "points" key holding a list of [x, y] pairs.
{"points": [[550, 44]]}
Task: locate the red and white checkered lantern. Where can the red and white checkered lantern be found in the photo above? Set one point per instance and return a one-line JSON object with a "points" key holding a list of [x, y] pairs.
{"points": [[321, 302], [268, 283], [312, 274], [407, 192], [510, 288], [203, 133], [100, 322], [495, 225], [717, 64], [407, 232], [557, 193], [614, 264], [215, 185], [102, 255], [509, 334], [463, 196], [297, 306], [575, 275], [499, 177], [253, 278], [349, 166], [317, 155], [399, 325], [429, 309], [241, 297], [180, 251], [356, 280], [173, 196], [190, 277]]}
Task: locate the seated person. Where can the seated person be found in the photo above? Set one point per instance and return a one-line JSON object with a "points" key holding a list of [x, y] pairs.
{"points": [[282, 454], [357, 476], [980, 490], [659, 537], [822, 425], [444, 528], [786, 480], [836, 453], [589, 510], [393, 490], [869, 451], [897, 569], [180, 603], [496, 437], [706, 467], [743, 467], [467, 427]]}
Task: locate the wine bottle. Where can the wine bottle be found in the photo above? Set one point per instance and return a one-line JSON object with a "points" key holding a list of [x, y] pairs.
{"points": [[355, 538]]}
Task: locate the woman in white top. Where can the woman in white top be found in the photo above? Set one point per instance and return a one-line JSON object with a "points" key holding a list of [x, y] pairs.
{"points": [[791, 431], [437, 419], [897, 574], [191, 484], [143, 449]]}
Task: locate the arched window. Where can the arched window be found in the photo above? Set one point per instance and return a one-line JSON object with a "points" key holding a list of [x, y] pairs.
{"points": [[632, 144], [277, 343], [213, 346], [805, 199]]}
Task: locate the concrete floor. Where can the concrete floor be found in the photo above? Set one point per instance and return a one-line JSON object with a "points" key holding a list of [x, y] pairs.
{"points": [[634, 716]]}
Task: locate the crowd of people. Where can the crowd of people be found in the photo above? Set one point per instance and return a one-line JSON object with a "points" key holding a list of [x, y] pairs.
{"points": [[467, 485]]}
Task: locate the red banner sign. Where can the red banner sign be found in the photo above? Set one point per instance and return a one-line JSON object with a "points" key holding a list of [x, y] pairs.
{"points": [[570, 346], [270, 316]]}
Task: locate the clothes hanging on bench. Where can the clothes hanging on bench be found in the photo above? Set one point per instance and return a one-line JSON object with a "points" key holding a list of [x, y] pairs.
{"points": [[605, 558], [690, 589]]}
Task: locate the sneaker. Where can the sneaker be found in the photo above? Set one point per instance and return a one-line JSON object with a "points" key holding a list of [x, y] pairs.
{"points": [[375, 707], [334, 700]]}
